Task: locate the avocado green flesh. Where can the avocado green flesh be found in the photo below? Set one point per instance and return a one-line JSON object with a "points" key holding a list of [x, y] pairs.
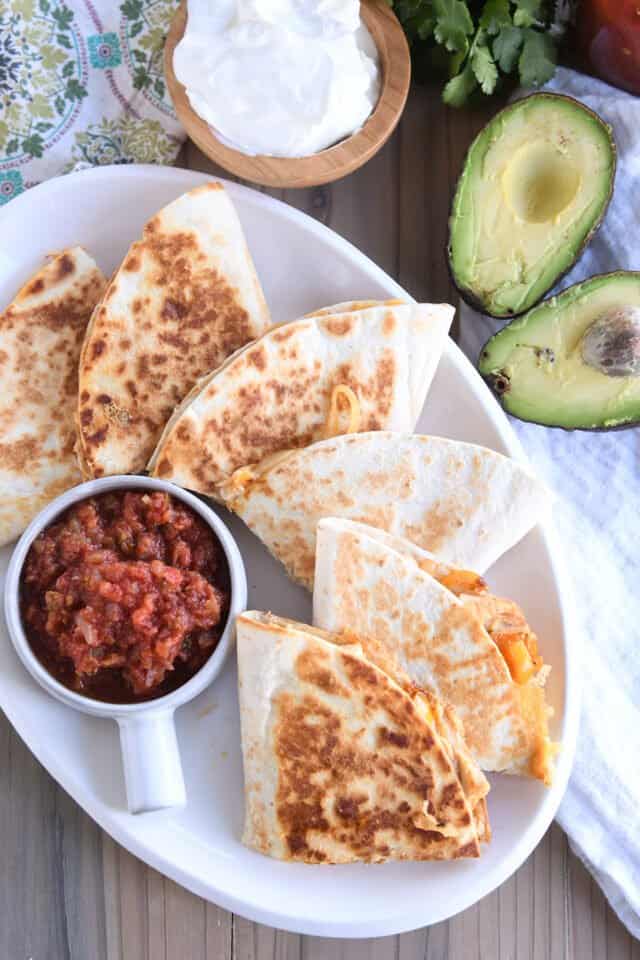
{"points": [[535, 184], [565, 392]]}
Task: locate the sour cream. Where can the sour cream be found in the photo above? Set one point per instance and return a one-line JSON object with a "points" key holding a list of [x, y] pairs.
{"points": [[280, 77]]}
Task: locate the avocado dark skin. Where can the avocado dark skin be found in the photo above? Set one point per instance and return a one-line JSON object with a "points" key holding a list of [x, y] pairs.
{"points": [[541, 102], [573, 361]]}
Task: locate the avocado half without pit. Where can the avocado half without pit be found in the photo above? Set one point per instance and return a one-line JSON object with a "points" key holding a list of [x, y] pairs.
{"points": [[534, 187], [574, 360]]}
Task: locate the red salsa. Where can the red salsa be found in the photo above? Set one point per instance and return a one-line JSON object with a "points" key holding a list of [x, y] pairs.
{"points": [[125, 596]]}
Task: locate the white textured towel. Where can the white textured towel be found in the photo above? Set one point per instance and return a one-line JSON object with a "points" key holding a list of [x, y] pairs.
{"points": [[596, 477]]}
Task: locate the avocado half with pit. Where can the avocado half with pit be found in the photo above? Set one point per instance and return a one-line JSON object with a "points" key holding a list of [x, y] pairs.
{"points": [[574, 360], [534, 187]]}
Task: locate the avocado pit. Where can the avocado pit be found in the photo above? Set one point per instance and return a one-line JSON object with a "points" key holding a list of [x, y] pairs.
{"points": [[611, 344]]}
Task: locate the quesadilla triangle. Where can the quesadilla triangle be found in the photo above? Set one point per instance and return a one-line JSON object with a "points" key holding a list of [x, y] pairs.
{"points": [[465, 503], [341, 763], [40, 339], [441, 627], [185, 297], [342, 371]]}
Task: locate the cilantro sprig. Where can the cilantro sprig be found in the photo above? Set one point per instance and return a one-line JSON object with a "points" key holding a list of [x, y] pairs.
{"points": [[479, 42]]}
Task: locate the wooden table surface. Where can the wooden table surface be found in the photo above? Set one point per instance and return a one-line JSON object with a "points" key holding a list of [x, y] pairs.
{"points": [[68, 892]]}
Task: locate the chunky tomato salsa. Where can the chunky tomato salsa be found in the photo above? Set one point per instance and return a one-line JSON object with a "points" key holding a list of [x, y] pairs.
{"points": [[125, 596]]}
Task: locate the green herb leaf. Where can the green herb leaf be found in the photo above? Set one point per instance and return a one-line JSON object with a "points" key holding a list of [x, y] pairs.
{"points": [[12, 146], [528, 12], [506, 48], [471, 41], [482, 64], [407, 8], [422, 23], [453, 24], [457, 90], [495, 16], [68, 69], [537, 61], [455, 62]]}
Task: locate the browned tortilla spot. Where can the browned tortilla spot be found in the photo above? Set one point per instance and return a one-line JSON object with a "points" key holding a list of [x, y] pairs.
{"points": [[65, 266], [339, 325], [96, 438], [132, 264], [257, 357], [284, 333], [36, 287], [312, 669], [173, 310]]}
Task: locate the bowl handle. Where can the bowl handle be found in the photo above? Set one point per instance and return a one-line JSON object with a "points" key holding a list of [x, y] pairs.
{"points": [[152, 768]]}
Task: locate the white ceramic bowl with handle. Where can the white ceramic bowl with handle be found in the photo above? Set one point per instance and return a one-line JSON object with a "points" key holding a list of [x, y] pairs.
{"points": [[150, 756]]}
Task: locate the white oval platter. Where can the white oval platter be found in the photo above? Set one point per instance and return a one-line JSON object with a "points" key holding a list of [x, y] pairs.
{"points": [[302, 265]]}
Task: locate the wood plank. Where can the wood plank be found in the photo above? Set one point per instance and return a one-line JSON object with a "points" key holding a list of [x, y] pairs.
{"points": [[134, 909], [111, 884], [507, 896], [488, 925], [253, 941], [430, 943], [559, 895], [186, 923], [80, 865], [159, 930], [33, 921], [320, 948], [218, 933], [423, 185]]}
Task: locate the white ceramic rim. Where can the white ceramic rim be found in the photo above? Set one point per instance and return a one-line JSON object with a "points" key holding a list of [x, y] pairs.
{"points": [[403, 920], [207, 672]]}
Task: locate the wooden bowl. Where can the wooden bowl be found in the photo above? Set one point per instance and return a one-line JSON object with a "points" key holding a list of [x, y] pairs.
{"points": [[327, 165]]}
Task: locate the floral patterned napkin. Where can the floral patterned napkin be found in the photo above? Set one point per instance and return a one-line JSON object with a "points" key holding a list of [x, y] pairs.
{"points": [[82, 83]]}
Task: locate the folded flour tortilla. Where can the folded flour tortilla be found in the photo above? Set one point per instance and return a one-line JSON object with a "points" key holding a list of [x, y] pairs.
{"points": [[184, 299], [41, 334], [344, 369], [341, 763], [466, 503], [474, 651]]}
